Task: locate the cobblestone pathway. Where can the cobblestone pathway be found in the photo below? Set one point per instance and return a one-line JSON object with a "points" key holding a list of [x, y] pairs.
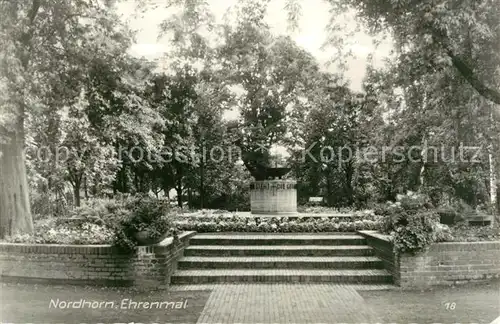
{"points": [[284, 303]]}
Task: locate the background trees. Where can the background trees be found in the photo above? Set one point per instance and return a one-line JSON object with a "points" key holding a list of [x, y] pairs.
{"points": [[125, 125]]}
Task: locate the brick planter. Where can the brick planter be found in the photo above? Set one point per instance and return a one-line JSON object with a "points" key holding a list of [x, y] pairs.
{"points": [[442, 264], [148, 266]]}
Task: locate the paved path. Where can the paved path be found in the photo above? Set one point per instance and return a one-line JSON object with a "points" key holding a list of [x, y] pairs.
{"points": [[284, 303]]}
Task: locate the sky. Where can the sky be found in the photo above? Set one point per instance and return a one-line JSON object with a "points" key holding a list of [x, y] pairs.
{"points": [[310, 35]]}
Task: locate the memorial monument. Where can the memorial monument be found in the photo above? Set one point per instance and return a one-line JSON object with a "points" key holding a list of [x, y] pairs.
{"points": [[270, 194]]}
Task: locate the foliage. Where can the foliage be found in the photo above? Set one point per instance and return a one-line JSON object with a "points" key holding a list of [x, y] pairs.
{"points": [[430, 36], [231, 222], [336, 125], [413, 223], [271, 74], [106, 221], [49, 231], [465, 233], [68, 81], [146, 215]]}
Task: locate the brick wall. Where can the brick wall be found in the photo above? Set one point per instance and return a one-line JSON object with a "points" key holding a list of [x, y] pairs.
{"points": [[92, 264], [442, 264], [451, 263], [384, 250]]}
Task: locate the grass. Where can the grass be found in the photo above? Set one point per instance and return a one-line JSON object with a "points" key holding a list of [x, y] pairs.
{"points": [[472, 303], [23, 303]]}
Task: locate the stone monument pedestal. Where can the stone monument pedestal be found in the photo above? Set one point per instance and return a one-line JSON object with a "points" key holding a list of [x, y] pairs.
{"points": [[273, 197]]}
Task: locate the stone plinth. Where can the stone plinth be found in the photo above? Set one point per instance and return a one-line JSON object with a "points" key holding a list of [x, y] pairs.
{"points": [[277, 197]]}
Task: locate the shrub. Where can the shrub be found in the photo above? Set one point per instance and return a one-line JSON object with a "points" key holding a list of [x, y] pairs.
{"points": [[104, 221], [417, 234], [412, 222], [145, 214], [464, 233], [47, 231], [442, 233]]}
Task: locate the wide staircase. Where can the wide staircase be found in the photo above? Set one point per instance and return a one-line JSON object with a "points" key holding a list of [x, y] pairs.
{"points": [[290, 258]]}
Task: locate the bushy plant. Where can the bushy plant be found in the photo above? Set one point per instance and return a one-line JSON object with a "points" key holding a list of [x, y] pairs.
{"points": [[147, 215], [106, 221], [442, 233], [397, 213], [417, 234], [48, 231], [464, 233], [412, 222]]}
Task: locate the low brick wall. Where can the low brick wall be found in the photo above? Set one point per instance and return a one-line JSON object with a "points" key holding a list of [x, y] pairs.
{"points": [[148, 266], [442, 264], [451, 263], [384, 250]]}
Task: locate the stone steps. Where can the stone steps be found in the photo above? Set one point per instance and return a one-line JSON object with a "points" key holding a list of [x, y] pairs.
{"points": [[227, 258], [280, 262], [222, 285], [281, 275], [277, 239], [278, 250]]}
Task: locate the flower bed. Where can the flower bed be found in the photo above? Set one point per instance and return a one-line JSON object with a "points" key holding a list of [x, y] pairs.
{"points": [[227, 222], [50, 231], [117, 222], [465, 233], [413, 224]]}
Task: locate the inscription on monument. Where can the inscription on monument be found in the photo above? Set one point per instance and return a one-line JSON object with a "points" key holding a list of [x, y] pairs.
{"points": [[267, 186]]}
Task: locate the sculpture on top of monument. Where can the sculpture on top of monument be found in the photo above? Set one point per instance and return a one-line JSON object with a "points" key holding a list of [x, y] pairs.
{"points": [[256, 144]]}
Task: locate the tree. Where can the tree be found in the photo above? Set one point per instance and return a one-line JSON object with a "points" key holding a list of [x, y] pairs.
{"points": [[44, 46], [272, 73], [442, 33], [338, 126], [88, 157]]}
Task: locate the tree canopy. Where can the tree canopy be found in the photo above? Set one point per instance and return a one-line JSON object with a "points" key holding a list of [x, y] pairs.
{"points": [[82, 118]]}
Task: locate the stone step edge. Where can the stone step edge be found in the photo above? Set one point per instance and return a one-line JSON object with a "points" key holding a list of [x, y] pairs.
{"points": [[215, 285], [278, 247], [277, 259], [274, 236], [279, 272]]}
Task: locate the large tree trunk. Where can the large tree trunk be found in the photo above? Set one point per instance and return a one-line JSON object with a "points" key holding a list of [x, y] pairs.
{"points": [[15, 212], [178, 188], [76, 193], [136, 182], [190, 198], [124, 180], [348, 188], [86, 188], [493, 181], [202, 183], [492, 167], [179, 196]]}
